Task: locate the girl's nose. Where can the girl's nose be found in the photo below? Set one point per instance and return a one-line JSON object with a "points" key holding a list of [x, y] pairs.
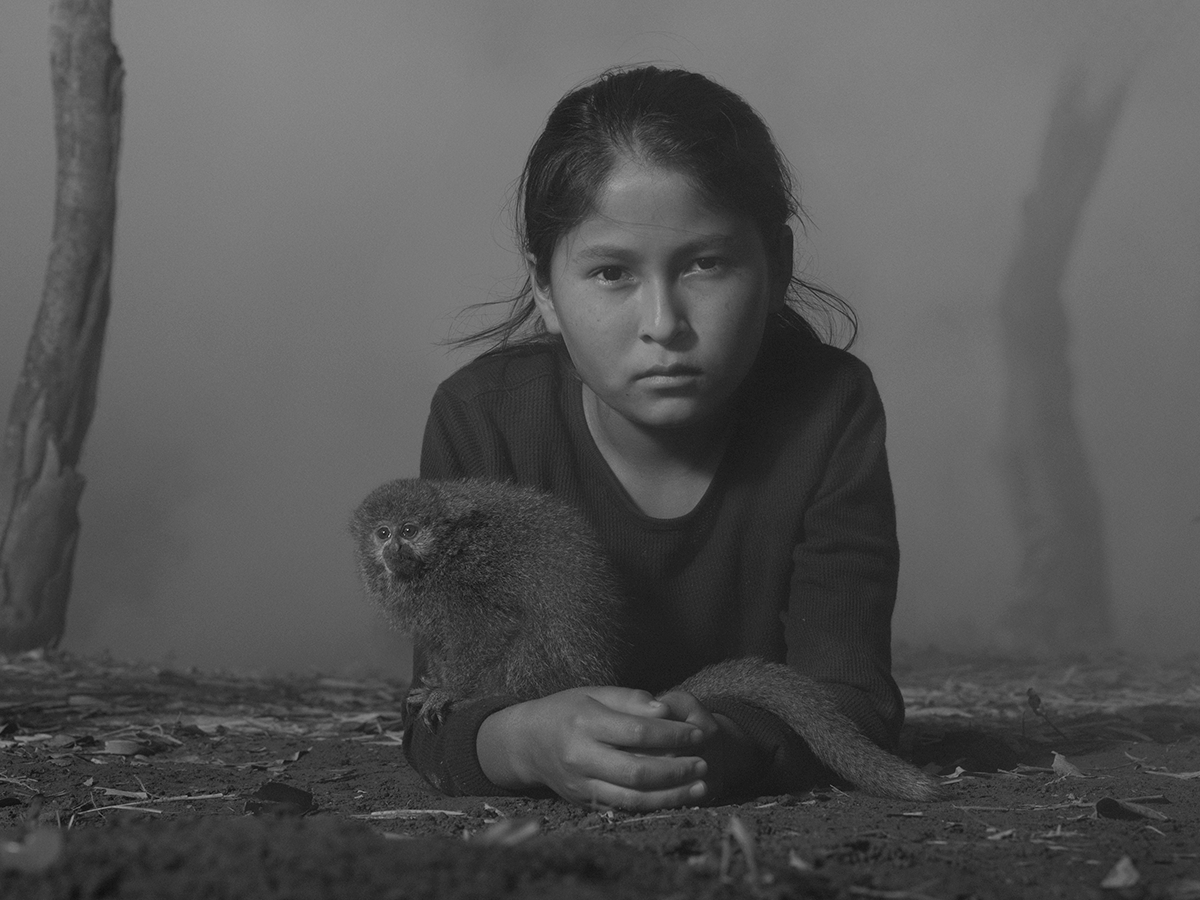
{"points": [[662, 314]]}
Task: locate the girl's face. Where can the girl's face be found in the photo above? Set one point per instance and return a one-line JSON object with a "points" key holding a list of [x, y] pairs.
{"points": [[661, 299]]}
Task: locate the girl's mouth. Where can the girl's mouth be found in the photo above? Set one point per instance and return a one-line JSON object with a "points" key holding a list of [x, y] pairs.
{"points": [[673, 372]]}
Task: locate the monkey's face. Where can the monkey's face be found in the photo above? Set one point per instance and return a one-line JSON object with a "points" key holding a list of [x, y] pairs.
{"points": [[396, 540], [399, 549]]}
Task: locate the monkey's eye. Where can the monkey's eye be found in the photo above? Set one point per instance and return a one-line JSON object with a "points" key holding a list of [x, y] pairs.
{"points": [[409, 530], [383, 533]]}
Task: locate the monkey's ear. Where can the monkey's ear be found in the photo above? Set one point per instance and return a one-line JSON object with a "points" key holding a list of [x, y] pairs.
{"points": [[455, 505]]}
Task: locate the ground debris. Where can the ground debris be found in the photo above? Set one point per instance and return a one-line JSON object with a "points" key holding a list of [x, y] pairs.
{"points": [[173, 812], [1122, 875]]}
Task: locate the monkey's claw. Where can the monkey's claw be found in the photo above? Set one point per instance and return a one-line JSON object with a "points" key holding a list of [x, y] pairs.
{"points": [[430, 703]]}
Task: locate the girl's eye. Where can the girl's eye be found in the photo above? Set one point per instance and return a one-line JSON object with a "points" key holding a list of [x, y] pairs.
{"points": [[610, 273], [408, 531], [708, 263]]}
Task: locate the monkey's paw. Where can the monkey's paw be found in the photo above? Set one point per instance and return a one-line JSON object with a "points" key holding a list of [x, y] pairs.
{"points": [[430, 703], [417, 694]]}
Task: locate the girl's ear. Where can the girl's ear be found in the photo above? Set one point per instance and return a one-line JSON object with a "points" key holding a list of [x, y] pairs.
{"points": [[782, 264], [541, 297]]}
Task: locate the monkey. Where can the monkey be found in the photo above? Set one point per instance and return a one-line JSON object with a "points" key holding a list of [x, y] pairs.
{"points": [[510, 592], [507, 589]]}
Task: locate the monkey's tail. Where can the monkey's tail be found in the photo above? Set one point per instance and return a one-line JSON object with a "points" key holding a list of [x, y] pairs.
{"points": [[808, 708]]}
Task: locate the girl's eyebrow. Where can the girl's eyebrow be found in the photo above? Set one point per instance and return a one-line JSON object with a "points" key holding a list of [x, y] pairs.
{"points": [[706, 242], [603, 251]]}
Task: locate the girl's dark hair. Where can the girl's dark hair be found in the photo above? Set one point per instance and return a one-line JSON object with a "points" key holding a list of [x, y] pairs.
{"points": [[671, 118]]}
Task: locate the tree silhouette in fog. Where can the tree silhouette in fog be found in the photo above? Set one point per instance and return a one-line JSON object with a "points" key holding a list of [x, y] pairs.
{"points": [[55, 395], [1063, 603]]}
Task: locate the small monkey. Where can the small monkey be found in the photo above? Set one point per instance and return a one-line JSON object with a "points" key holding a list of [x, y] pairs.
{"points": [[507, 589], [510, 592]]}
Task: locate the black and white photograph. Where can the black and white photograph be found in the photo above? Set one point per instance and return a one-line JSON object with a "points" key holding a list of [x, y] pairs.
{"points": [[600, 449]]}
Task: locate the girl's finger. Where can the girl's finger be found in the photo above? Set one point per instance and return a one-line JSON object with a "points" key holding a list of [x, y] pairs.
{"points": [[638, 732], [601, 793], [630, 701], [642, 773], [685, 707]]}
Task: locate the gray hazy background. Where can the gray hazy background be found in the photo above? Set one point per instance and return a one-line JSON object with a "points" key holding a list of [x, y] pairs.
{"points": [[310, 191]]}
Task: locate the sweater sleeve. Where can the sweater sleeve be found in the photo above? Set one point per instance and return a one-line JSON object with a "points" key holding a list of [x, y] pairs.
{"points": [[846, 564], [456, 445]]}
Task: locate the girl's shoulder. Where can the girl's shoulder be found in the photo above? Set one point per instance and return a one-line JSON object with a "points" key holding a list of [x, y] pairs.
{"points": [[806, 393], [793, 362], [515, 369]]}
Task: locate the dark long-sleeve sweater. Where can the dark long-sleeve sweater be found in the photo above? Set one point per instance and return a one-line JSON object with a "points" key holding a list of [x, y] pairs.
{"points": [[791, 554]]}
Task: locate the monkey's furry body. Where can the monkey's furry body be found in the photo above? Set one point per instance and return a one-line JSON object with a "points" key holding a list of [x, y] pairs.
{"points": [[510, 592], [507, 590]]}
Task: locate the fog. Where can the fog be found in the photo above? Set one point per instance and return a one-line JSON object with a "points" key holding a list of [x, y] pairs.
{"points": [[311, 190]]}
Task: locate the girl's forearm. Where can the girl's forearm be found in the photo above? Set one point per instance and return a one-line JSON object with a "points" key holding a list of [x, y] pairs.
{"points": [[499, 747]]}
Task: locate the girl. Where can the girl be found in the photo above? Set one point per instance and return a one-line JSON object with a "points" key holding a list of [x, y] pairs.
{"points": [[658, 372]]}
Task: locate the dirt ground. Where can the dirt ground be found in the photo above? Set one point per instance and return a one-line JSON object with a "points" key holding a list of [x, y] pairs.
{"points": [[134, 781]]}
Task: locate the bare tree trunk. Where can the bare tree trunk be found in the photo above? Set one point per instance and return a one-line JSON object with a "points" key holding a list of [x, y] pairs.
{"points": [[56, 394], [1063, 604]]}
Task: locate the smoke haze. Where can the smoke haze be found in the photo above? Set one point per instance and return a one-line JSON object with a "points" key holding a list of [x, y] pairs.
{"points": [[310, 191]]}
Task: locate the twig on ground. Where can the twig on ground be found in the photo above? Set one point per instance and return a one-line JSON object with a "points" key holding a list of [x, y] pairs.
{"points": [[135, 804], [407, 813], [1035, 703], [915, 893]]}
